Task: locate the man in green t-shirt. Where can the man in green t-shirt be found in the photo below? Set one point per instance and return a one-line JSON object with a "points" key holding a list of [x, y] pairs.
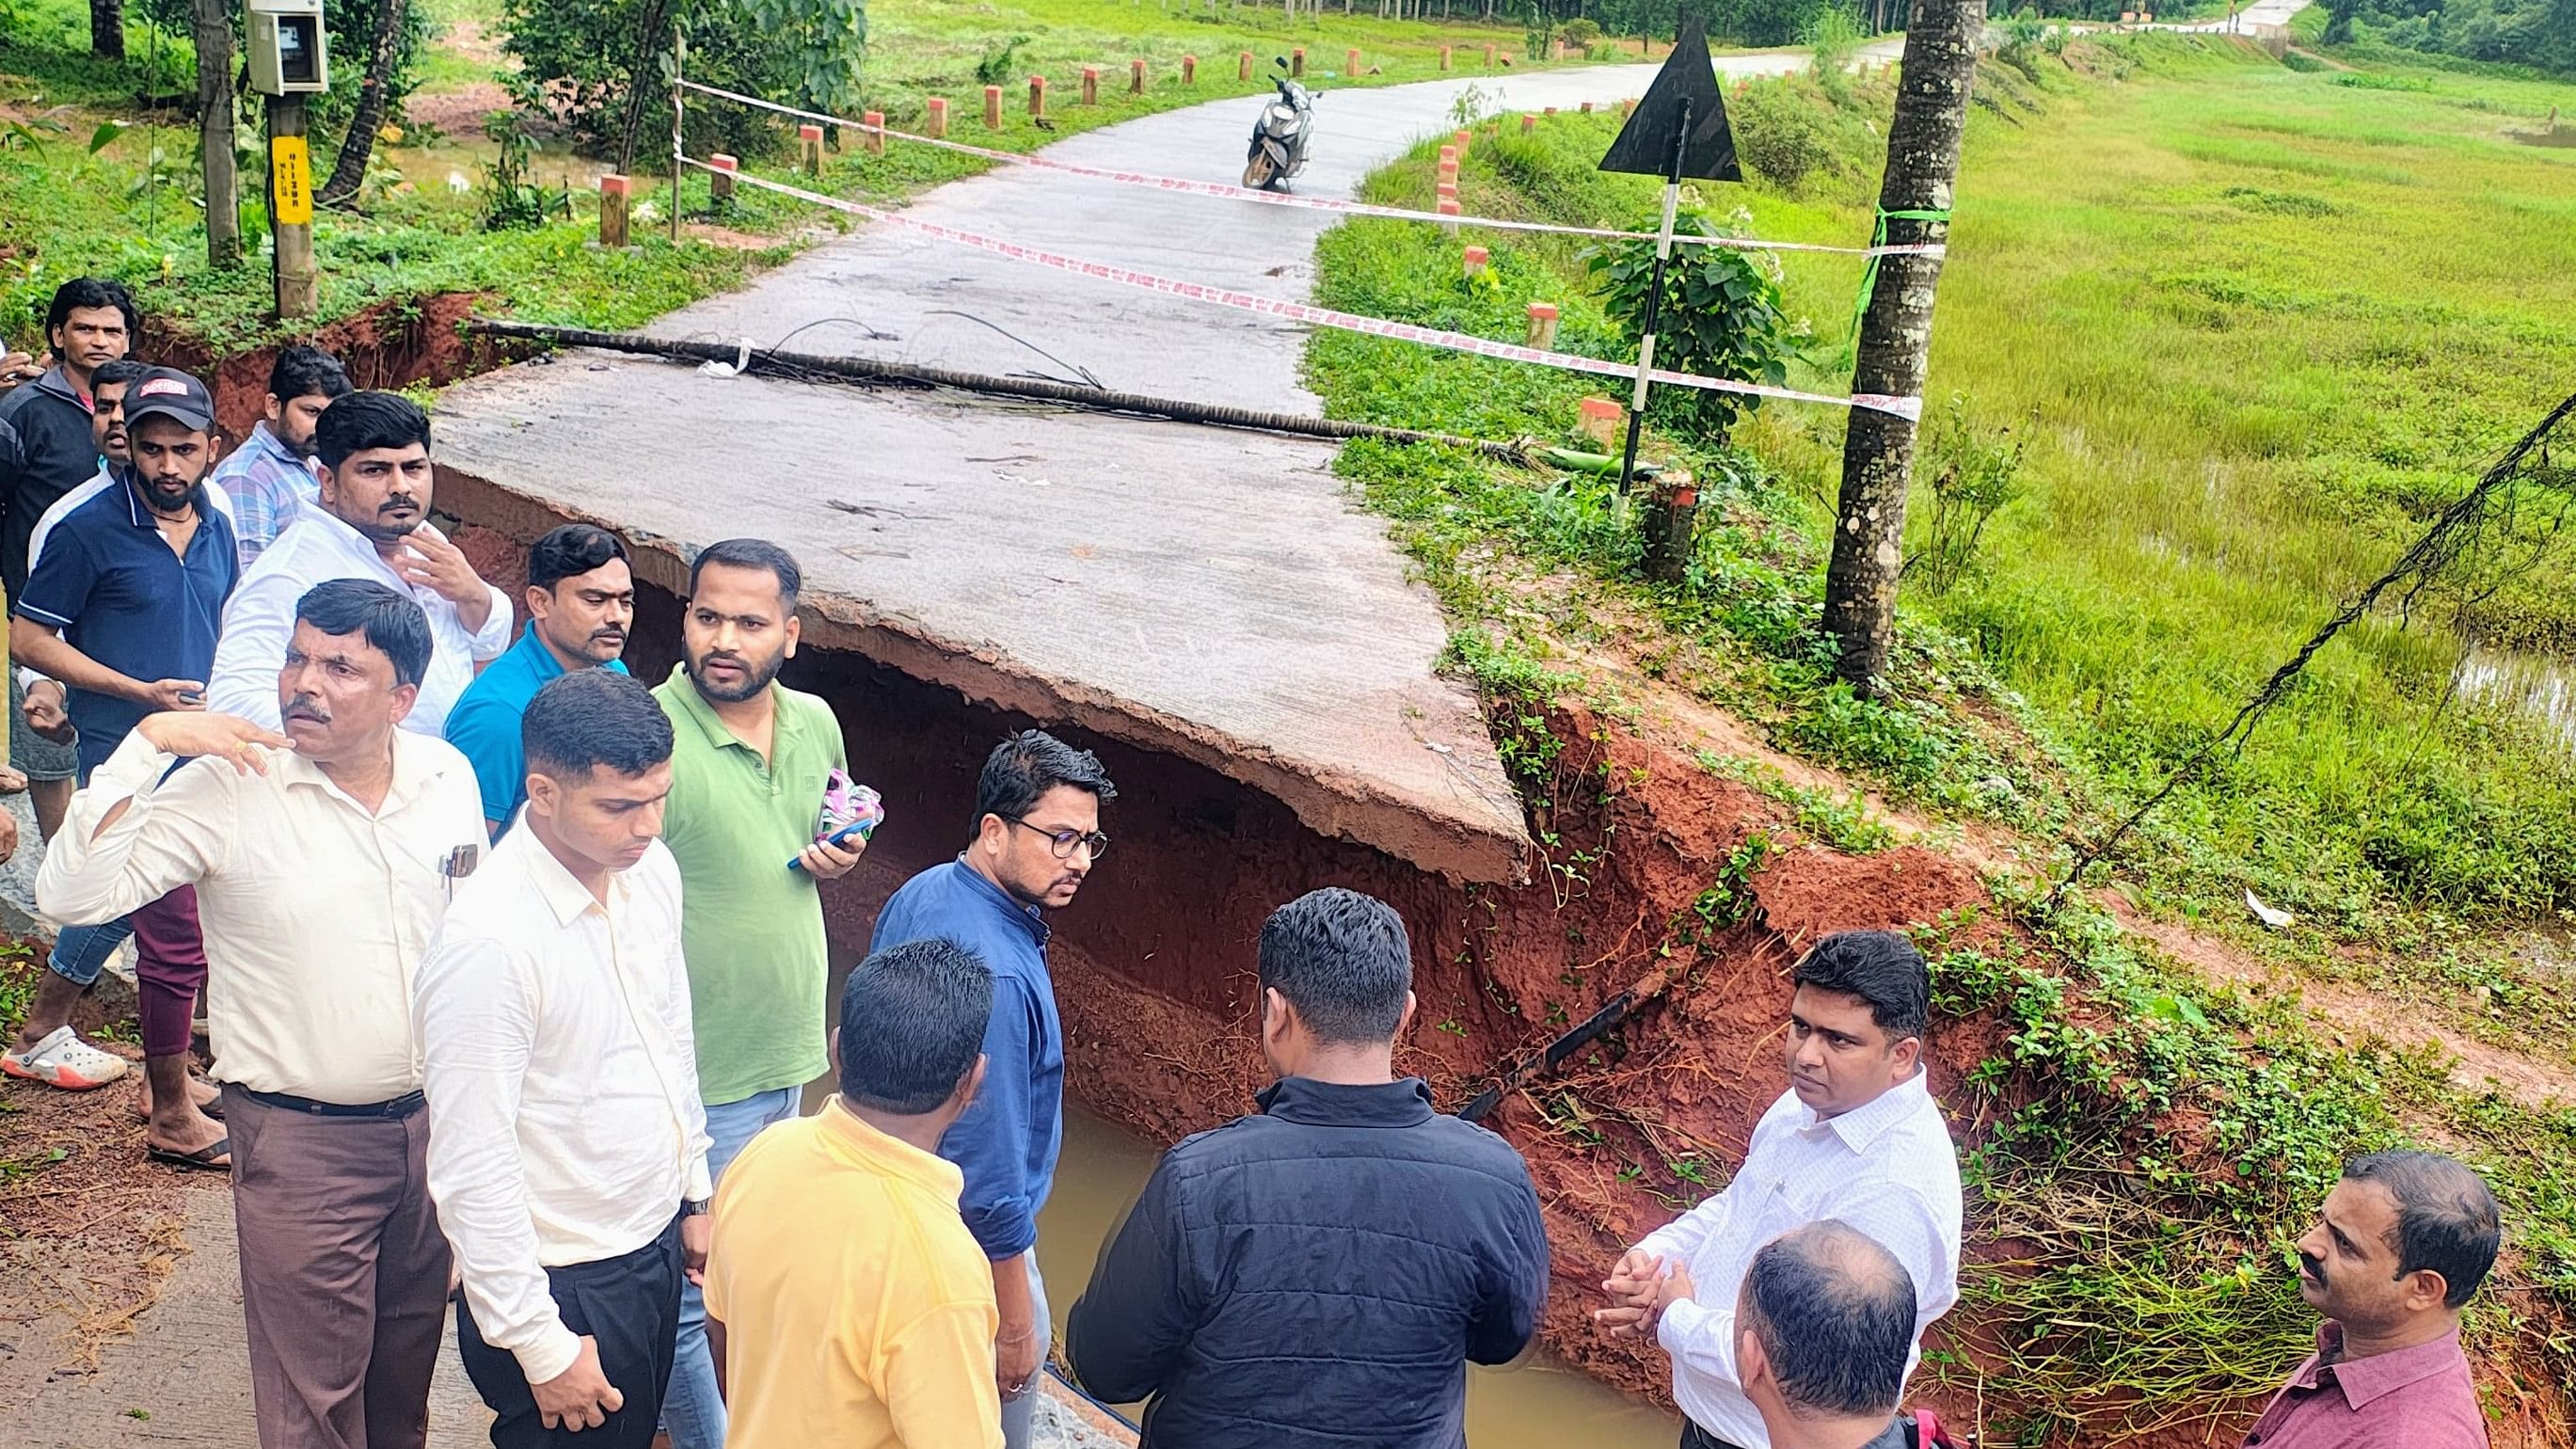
{"points": [[749, 761]]}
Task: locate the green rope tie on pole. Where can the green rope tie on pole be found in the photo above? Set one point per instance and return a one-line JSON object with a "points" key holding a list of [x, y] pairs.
{"points": [[1869, 269]]}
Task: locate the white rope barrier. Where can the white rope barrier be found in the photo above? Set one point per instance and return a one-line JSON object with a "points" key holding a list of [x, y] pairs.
{"points": [[1910, 408]]}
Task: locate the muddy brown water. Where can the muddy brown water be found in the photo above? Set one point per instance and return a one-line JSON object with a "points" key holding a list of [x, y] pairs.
{"points": [[1539, 1403]]}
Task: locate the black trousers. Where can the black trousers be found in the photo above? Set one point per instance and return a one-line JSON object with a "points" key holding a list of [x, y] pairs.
{"points": [[1695, 1437], [630, 1304]]}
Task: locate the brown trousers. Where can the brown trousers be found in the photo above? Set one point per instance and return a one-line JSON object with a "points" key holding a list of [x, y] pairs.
{"points": [[344, 1274]]}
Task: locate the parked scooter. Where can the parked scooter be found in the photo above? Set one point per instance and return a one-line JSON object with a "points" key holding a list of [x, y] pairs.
{"points": [[1279, 137]]}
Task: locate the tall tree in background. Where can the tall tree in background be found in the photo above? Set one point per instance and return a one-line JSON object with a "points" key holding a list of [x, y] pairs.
{"points": [[212, 23], [1896, 335], [107, 29], [384, 47]]}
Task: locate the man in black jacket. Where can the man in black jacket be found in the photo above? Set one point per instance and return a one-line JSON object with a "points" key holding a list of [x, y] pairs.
{"points": [[1320, 1274], [46, 451]]}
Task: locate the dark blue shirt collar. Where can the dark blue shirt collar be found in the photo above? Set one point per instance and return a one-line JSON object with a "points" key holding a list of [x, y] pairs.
{"points": [[139, 513], [1404, 1103], [1027, 918]]}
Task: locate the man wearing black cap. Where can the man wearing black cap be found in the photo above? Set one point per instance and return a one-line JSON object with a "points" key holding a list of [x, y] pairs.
{"points": [[123, 608]]}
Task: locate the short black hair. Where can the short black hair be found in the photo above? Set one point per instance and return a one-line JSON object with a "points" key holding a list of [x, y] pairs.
{"points": [[912, 1022], [1343, 960], [1026, 765], [91, 292], [302, 371], [592, 717], [391, 623], [575, 548], [365, 420], [120, 373], [1834, 1313], [753, 553], [1881, 968], [2447, 1220]]}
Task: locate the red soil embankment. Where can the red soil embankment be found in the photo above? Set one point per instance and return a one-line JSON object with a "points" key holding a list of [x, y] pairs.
{"points": [[396, 344]]}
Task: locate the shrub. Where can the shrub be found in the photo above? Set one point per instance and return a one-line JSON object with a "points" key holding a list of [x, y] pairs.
{"points": [[1834, 35], [1782, 138], [1974, 472], [1578, 34], [1719, 316], [995, 66]]}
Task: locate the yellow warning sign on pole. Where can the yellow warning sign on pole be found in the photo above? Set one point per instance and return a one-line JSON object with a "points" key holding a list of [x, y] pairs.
{"points": [[291, 181]]}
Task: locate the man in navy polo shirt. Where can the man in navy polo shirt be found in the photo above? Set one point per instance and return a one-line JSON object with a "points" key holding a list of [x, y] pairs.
{"points": [[123, 608], [581, 598]]}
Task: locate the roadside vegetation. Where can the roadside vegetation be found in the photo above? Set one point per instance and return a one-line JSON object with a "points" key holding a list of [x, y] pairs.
{"points": [[2214, 344], [476, 188]]}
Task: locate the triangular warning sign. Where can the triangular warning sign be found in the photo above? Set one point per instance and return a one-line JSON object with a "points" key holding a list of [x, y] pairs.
{"points": [[1645, 144]]}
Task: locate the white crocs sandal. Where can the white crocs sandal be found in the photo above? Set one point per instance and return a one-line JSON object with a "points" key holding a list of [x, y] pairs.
{"points": [[63, 1060]]}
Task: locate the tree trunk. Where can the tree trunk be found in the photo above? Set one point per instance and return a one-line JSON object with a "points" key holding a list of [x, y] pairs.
{"points": [[107, 29], [1896, 337], [374, 91], [214, 33], [640, 76]]}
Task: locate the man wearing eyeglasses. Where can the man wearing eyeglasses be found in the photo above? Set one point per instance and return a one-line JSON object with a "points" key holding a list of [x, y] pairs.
{"points": [[749, 761], [1037, 834]]}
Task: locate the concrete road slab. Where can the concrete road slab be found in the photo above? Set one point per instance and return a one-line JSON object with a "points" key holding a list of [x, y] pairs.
{"points": [[1208, 593]]}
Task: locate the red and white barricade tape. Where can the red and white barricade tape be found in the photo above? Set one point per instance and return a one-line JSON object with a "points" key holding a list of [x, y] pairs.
{"points": [[1910, 408], [1314, 203]]}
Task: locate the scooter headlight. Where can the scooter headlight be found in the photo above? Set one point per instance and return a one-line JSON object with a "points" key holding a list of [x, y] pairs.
{"points": [[1285, 115]]}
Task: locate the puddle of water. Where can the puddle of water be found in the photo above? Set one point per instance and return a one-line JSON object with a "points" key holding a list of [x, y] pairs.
{"points": [[2537, 686], [1541, 1403]]}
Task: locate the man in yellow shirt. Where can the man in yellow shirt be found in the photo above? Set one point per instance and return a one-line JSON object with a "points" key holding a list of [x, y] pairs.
{"points": [[847, 1305]]}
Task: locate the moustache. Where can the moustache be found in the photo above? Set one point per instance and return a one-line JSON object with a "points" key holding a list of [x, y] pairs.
{"points": [[2313, 1269], [304, 707], [616, 634], [398, 501]]}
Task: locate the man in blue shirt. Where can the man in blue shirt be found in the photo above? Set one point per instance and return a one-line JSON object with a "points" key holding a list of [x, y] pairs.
{"points": [[124, 607], [581, 598], [1037, 834]]}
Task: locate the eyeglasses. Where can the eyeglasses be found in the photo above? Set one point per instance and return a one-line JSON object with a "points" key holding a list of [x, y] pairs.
{"points": [[1062, 842]]}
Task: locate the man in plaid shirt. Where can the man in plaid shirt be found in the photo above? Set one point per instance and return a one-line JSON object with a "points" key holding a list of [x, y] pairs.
{"points": [[270, 476]]}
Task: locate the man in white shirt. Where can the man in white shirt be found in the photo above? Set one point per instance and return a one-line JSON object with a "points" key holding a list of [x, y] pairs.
{"points": [[1856, 1138], [373, 523], [322, 859], [570, 1161]]}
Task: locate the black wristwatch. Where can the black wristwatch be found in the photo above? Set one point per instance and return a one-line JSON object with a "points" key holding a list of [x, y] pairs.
{"points": [[693, 1207]]}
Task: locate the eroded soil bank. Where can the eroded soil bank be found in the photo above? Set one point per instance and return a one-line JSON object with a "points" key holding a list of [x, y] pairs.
{"points": [[406, 342]]}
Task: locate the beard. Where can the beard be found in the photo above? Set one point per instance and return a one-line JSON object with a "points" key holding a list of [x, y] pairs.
{"points": [[754, 675]]}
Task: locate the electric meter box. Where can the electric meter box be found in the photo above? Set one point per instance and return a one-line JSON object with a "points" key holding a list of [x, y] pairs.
{"points": [[288, 48]]}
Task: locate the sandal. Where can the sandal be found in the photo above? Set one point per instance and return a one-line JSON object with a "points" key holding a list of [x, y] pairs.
{"points": [[63, 1060], [211, 1107], [201, 1160]]}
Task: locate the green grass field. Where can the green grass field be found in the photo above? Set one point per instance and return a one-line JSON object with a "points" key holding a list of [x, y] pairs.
{"points": [[2255, 327]]}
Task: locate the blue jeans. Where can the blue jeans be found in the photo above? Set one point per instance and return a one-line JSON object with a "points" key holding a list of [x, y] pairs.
{"points": [[81, 952], [1016, 1414], [692, 1410]]}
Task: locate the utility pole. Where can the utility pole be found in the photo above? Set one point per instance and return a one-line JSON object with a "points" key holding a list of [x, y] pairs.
{"points": [[214, 32], [287, 63], [290, 208], [1895, 344]]}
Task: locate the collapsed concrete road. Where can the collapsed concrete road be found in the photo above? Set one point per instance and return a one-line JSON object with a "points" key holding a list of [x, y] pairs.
{"points": [[1206, 594]]}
